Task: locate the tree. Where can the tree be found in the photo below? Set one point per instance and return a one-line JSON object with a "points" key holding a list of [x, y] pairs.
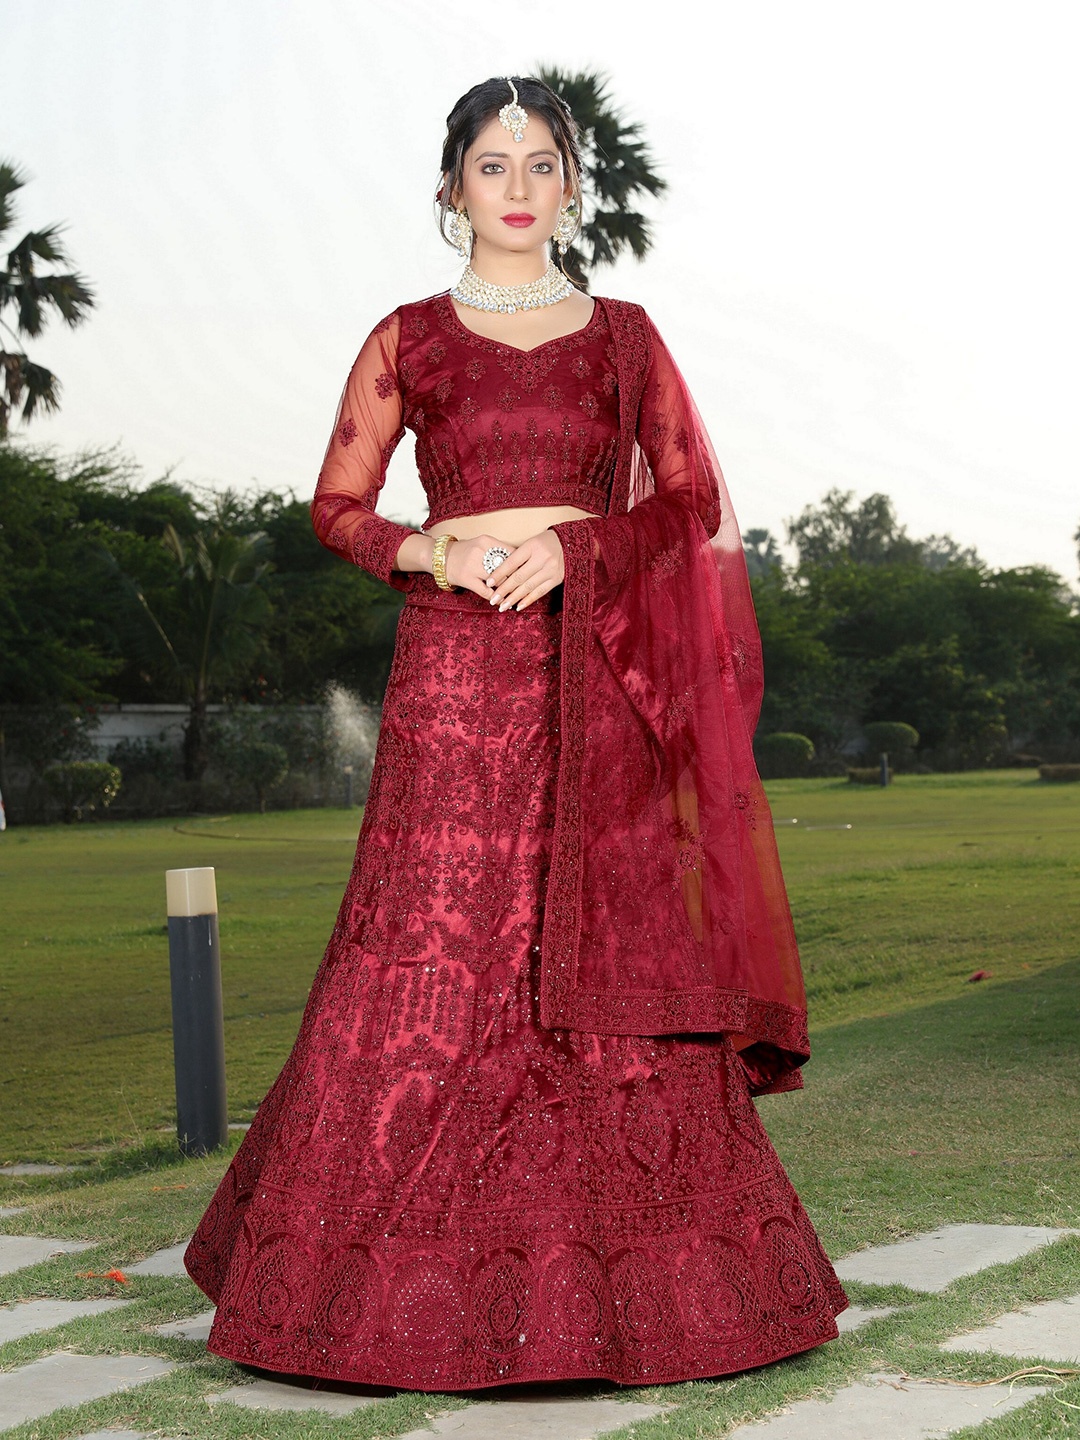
{"points": [[617, 169], [215, 623], [32, 297], [841, 529], [761, 551]]}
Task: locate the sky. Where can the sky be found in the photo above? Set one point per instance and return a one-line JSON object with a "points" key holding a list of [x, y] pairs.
{"points": [[865, 262]]}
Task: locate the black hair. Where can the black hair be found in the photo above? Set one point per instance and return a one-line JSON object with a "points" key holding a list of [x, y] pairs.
{"points": [[481, 104]]}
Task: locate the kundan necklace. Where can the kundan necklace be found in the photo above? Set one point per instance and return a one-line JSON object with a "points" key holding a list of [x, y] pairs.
{"points": [[552, 287]]}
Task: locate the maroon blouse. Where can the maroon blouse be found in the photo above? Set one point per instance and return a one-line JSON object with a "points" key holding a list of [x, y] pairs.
{"points": [[496, 427]]}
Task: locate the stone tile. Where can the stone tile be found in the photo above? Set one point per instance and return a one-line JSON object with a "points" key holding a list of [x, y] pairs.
{"points": [[117, 1435], [163, 1262], [7, 1211], [935, 1260], [30, 1316], [298, 1394], [855, 1315], [196, 1328], [1048, 1331], [64, 1379], [18, 1251], [31, 1167], [532, 1417], [886, 1405]]}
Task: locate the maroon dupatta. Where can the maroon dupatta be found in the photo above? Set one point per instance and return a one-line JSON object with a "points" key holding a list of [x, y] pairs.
{"points": [[666, 909]]}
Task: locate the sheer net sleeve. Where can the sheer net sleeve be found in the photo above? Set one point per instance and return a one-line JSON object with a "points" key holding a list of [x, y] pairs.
{"points": [[366, 433]]}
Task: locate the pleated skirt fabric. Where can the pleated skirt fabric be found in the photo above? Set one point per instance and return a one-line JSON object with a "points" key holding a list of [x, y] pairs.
{"points": [[438, 1193]]}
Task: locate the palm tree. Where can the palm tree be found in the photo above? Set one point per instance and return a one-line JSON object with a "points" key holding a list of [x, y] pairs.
{"points": [[617, 169], [32, 296], [761, 551], [217, 616]]}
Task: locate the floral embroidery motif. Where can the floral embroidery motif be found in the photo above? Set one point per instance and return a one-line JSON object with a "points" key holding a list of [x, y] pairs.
{"points": [[553, 397], [590, 405], [581, 367], [443, 389], [666, 563], [506, 399], [747, 805], [385, 385], [468, 410], [681, 441], [348, 431], [475, 369], [690, 852], [417, 325], [409, 372], [437, 352]]}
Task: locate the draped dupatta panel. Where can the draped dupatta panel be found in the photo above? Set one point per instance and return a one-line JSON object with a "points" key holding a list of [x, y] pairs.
{"points": [[666, 909]]}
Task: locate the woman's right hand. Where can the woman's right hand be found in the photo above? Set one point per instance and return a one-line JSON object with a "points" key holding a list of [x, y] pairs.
{"points": [[465, 562]]}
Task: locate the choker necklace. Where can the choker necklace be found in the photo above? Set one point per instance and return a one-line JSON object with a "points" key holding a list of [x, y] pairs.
{"points": [[552, 287]]}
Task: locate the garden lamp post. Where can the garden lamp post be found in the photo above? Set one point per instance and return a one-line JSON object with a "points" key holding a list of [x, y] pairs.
{"points": [[202, 1117]]}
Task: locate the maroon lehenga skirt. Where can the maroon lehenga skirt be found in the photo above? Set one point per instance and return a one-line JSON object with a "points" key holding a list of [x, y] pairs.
{"points": [[437, 1193]]}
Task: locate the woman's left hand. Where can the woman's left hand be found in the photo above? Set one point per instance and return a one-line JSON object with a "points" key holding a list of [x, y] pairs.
{"points": [[534, 568]]}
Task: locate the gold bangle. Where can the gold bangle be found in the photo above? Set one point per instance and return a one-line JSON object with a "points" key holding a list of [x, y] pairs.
{"points": [[438, 561]]}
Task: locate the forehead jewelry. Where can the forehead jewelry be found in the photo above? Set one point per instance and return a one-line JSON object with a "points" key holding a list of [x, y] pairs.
{"points": [[513, 115]]}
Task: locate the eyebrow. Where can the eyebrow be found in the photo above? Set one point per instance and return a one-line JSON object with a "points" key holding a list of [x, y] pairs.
{"points": [[504, 155]]}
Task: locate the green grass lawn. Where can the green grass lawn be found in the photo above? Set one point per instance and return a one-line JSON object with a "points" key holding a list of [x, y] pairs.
{"points": [[929, 1099], [938, 877]]}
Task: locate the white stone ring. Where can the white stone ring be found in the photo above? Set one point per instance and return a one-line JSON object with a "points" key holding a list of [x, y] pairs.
{"points": [[494, 555]]}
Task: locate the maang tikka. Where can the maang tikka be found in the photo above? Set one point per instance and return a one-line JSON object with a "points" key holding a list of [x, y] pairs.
{"points": [[512, 115]]}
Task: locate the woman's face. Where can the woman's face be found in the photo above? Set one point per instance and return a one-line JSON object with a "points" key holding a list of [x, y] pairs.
{"points": [[513, 191]]}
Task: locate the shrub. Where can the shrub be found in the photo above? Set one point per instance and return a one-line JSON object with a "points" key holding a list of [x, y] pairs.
{"points": [[783, 755], [867, 774], [145, 757], [83, 785], [890, 737], [1059, 772]]}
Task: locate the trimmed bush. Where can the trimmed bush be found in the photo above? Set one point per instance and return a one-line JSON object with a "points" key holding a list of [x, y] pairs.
{"points": [[867, 774], [783, 755], [1059, 772], [890, 737], [83, 785]]}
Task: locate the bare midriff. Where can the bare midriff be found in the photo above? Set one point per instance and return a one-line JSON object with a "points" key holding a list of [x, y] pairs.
{"points": [[513, 525]]}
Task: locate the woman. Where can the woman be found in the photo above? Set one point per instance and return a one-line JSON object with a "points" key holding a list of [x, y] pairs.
{"points": [[514, 1140]]}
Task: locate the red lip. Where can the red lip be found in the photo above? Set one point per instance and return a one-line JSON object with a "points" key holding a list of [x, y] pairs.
{"points": [[519, 221]]}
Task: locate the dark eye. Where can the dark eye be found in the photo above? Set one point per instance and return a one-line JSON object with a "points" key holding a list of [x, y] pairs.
{"points": [[491, 168], [544, 166]]}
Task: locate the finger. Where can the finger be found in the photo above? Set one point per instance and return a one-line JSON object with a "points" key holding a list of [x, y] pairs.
{"points": [[528, 585], [533, 595]]}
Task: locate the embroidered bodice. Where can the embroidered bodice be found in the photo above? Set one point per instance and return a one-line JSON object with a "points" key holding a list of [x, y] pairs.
{"points": [[495, 426]]}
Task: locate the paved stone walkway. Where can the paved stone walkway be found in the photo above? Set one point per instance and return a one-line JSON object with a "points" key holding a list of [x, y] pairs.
{"points": [[31, 1316], [64, 1379], [18, 1251], [888, 1406], [932, 1262], [1048, 1332], [867, 1409]]}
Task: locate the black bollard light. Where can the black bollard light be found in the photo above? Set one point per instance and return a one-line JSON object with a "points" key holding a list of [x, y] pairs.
{"points": [[347, 771], [884, 768], [202, 1117]]}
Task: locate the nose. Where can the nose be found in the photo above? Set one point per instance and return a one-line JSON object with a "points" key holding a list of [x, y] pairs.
{"points": [[517, 187]]}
